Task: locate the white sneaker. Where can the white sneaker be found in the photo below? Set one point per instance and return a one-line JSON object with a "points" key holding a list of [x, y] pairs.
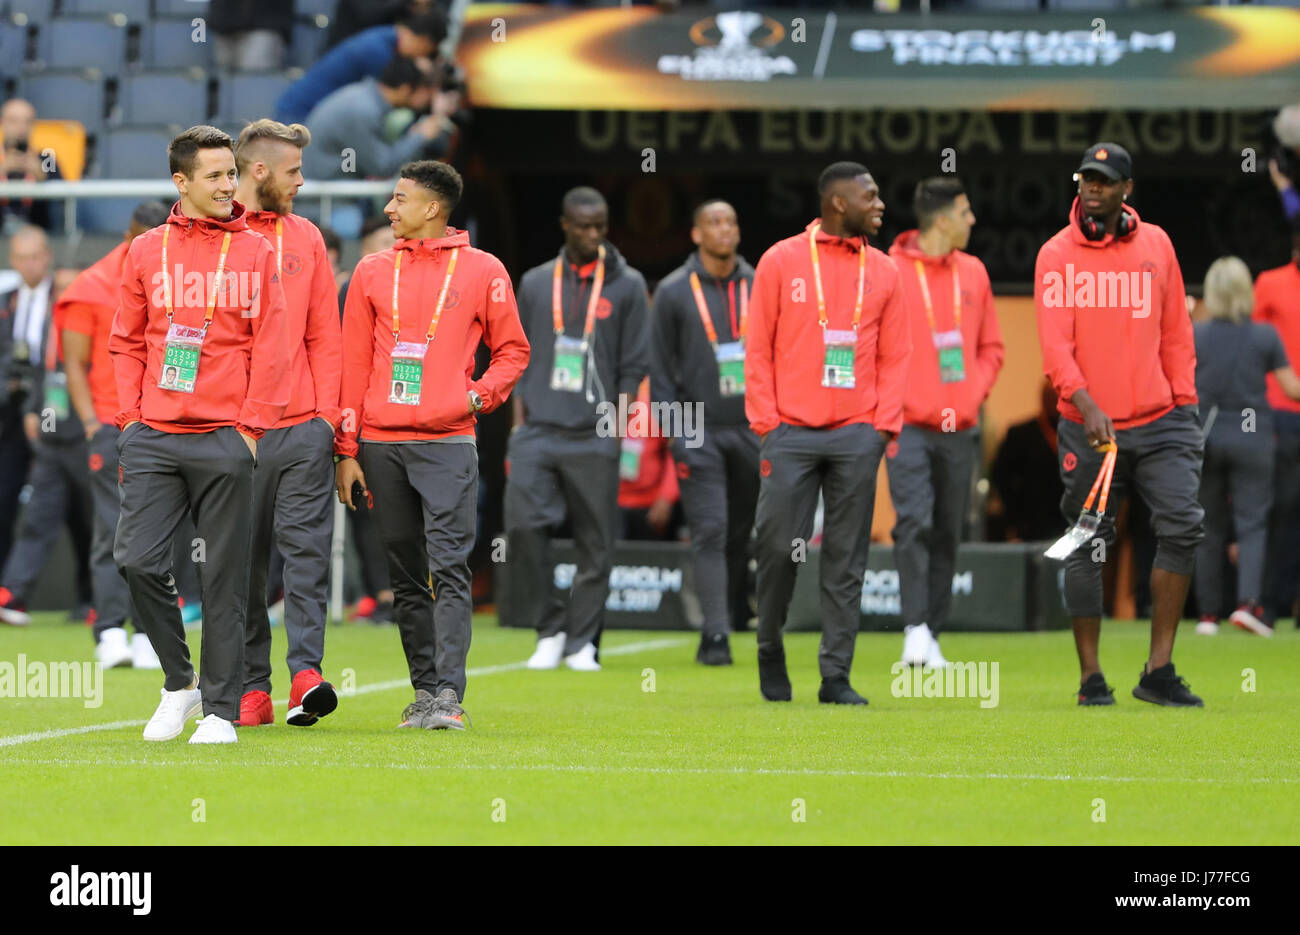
{"points": [[916, 644], [214, 729], [548, 653], [112, 650], [1207, 627], [584, 660], [173, 711], [933, 658], [142, 654]]}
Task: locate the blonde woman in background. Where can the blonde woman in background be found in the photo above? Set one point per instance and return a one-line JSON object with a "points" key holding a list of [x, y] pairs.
{"points": [[1233, 355]]}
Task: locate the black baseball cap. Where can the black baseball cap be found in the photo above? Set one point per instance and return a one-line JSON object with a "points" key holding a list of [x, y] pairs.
{"points": [[1110, 159]]}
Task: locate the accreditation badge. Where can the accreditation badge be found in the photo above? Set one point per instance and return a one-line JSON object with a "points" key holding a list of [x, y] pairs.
{"points": [[731, 368], [407, 373], [56, 395], [570, 356], [629, 458], [952, 363], [841, 355], [181, 351]]}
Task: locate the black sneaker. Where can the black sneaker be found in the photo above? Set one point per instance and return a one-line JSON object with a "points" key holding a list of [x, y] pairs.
{"points": [[838, 691], [773, 680], [1163, 686], [1095, 691], [382, 614], [714, 650]]}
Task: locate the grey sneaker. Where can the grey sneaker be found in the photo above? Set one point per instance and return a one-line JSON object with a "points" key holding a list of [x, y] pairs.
{"points": [[419, 713], [447, 712]]}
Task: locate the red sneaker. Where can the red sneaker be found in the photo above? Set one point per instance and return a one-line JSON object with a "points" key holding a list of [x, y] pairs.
{"points": [[1249, 618], [255, 708], [11, 611], [310, 698], [365, 607]]}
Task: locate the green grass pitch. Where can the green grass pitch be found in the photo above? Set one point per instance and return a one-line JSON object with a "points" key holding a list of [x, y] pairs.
{"points": [[562, 757]]}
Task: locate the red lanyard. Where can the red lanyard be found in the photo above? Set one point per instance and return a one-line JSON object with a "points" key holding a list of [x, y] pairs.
{"points": [[817, 277], [707, 321], [442, 296], [956, 295], [557, 294]]}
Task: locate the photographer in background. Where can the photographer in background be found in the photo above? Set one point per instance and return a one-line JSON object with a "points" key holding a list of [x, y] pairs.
{"points": [[1284, 167], [22, 164]]}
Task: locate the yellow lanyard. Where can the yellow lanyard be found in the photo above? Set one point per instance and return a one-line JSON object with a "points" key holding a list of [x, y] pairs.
{"points": [[216, 288], [279, 245], [817, 277], [703, 307], [925, 295], [442, 296], [557, 294]]}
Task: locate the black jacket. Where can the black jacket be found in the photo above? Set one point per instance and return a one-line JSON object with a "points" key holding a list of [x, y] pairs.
{"points": [[683, 366], [619, 347]]}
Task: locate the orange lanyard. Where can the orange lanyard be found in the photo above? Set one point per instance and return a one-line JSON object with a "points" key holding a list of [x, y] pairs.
{"points": [[216, 287], [557, 294], [817, 277], [279, 245], [442, 296], [703, 306], [925, 295]]}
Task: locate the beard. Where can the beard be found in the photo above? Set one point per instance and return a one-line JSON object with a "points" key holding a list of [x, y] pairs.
{"points": [[272, 198]]}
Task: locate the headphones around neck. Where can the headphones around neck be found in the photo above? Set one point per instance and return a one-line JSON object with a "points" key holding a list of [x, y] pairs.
{"points": [[1094, 229]]}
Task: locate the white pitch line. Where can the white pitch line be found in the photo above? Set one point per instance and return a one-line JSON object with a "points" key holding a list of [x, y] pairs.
{"points": [[629, 649], [674, 771]]}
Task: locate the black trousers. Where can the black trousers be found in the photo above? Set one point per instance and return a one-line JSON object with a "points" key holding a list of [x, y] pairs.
{"points": [[929, 483], [112, 597], [1282, 575], [1236, 482], [554, 473], [15, 459], [796, 464], [209, 475], [719, 493], [1162, 461], [294, 511], [60, 483], [426, 496]]}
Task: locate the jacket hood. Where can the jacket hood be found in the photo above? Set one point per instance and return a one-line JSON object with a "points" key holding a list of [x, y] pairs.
{"points": [[236, 221], [1076, 233], [823, 237], [905, 246], [431, 246], [98, 284], [742, 270], [614, 262]]}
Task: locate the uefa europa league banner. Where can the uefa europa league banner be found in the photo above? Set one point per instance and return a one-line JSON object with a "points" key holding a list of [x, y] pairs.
{"points": [[529, 56]]}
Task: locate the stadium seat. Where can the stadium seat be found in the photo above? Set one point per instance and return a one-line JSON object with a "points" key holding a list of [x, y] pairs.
{"points": [[308, 45], [310, 8], [68, 140], [69, 95], [242, 97], [169, 43], [105, 215], [163, 97], [137, 11], [133, 153], [180, 7], [37, 11], [83, 43], [13, 45]]}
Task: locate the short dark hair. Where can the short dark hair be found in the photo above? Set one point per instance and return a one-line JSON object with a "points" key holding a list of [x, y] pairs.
{"points": [[838, 171], [150, 214], [372, 224], [933, 196], [431, 24], [439, 178], [584, 196], [704, 205], [183, 152], [405, 71], [331, 237]]}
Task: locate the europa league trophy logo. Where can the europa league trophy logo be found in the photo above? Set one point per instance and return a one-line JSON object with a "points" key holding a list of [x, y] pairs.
{"points": [[735, 28]]}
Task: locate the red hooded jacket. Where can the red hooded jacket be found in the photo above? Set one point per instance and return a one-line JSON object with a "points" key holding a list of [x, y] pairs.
{"points": [[480, 306], [87, 307], [785, 351], [1277, 302], [246, 351], [312, 303], [929, 400], [1112, 319]]}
